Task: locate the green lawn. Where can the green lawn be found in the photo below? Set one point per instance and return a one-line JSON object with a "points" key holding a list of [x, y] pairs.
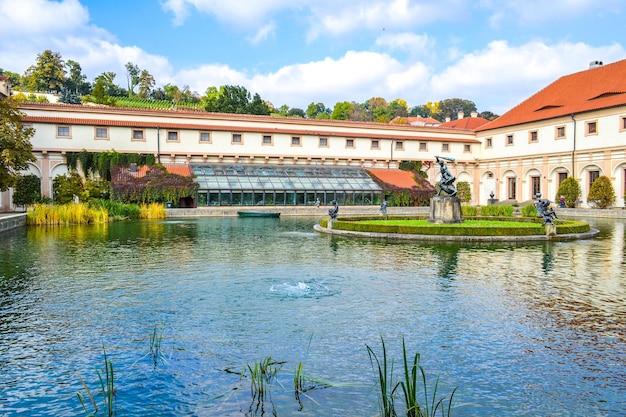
{"points": [[465, 224]]}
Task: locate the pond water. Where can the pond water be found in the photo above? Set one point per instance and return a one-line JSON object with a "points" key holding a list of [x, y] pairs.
{"points": [[183, 307]]}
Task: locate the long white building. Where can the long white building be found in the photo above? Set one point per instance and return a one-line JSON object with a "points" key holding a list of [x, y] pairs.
{"points": [[576, 127]]}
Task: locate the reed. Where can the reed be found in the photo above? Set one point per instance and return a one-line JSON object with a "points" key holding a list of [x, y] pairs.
{"points": [[152, 211], [262, 375], [386, 390], [107, 384], [155, 344], [44, 214]]}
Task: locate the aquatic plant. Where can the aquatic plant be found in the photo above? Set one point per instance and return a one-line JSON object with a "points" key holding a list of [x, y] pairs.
{"points": [[155, 344], [108, 390], [386, 387], [152, 211], [262, 375], [45, 214]]}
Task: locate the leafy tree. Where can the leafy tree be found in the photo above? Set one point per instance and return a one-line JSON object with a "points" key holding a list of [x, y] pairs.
{"points": [[341, 111], [14, 77], [488, 115], [464, 191], [76, 80], [27, 190], [398, 108], [65, 187], [97, 188], [146, 84], [296, 112], [107, 81], [157, 186], [450, 107], [99, 93], [16, 149], [570, 189], [258, 106], [132, 76], [317, 111], [601, 193], [49, 71]]}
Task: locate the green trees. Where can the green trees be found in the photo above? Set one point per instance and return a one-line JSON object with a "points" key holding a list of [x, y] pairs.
{"points": [[47, 74], [27, 190], [234, 99], [464, 191], [570, 189], [601, 194], [15, 147]]}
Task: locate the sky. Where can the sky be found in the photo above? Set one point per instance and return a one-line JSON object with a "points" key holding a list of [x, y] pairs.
{"points": [[495, 53]]}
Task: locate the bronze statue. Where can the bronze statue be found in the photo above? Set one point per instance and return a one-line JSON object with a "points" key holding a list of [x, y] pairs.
{"points": [[544, 210], [333, 211], [446, 184]]}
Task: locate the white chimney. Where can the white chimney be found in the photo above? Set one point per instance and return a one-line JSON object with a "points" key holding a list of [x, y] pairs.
{"points": [[595, 64], [460, 115], [474, 114], [447, 119]]}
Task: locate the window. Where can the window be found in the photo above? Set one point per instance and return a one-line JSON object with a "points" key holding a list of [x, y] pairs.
{"points": [[172, 136], [562, 176], [399, 145], [323, 143], [467, 148], [593, 175], [622, 123], [375, 144], [102, 133], [205, 137], [267, 140], [295, 141], [591, 128], [445, 147], [349, 143], [236, 139], [533, 136], [138, 134], [423, 146], [559, 132], [488, 143], [535, 183], [63, 132], [509, 140]]}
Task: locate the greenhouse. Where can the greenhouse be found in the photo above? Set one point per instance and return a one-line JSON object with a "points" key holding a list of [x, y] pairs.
{"points": [[280, 185]]}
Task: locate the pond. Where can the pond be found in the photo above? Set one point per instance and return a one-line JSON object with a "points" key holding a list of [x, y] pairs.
{"points": [[183, 307]]}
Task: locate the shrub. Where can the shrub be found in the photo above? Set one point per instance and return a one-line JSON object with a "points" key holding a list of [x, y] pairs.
{"points": [[497, 210], [570, 189], [464, 191], [601, 194], [27, 190], [529, 210], [469, 211]]}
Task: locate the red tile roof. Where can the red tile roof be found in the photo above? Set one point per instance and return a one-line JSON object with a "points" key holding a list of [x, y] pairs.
{"points": [[397, 177], [595, 88], [180, 169], [415, 121], [470, 123]]}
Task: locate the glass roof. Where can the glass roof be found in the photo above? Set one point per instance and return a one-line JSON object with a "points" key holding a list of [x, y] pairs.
{"points": [[280, 177]]}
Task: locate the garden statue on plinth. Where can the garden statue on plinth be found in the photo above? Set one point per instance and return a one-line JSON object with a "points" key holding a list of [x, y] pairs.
{"points": [[547, 213], [445, 206], [332, 212]]}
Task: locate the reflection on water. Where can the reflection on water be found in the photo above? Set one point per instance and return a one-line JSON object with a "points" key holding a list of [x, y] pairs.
{"points": [[520, 329]]}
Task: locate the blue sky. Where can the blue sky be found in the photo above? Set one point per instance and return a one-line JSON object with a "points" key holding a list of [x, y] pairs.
{"points": [[294, 52]]}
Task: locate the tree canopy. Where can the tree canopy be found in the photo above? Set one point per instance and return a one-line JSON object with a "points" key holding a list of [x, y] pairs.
{"points": [[16, 149]]}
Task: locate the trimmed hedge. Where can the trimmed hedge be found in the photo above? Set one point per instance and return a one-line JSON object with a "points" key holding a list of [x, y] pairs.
{"points": [[527, 227]]}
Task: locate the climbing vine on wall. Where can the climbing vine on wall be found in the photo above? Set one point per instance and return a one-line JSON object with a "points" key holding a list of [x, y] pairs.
{"points": [[102, 164]]}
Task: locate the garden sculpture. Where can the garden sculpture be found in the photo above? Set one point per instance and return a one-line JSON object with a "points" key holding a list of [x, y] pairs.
{"points": [[333, 211], [446, 184], [544, 210]]}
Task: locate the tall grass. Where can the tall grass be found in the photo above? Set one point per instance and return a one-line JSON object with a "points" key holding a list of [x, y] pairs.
{"points": [[44, 214], [152, 211], [108, 391], [262, 375], [116, 209], [386, 388]]}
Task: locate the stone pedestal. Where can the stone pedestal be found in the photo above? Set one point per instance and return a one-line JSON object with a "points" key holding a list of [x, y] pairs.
{"points": [[445, 210], [550, 229], [492, 201]]}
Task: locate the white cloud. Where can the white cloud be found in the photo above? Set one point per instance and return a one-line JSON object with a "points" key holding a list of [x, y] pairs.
{"points": [[405, 41], [240, 11], [263, 33], [37, 17]]}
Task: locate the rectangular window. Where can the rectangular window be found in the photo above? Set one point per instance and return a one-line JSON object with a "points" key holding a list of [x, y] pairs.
{"points": [[593, 175], [375, 144], [423, 146], [64, 132], [467, 148], [562, 176], [267, 140], [591, 128], [445, 147], [323, 143], [622, 123], [102, 133], [399, 145], [535, 184], [295, 141], [138, 135], [533, 136], [488, 143], [205, 137], [237, 139], [509, 140], [172, 136], [559, 132], [349, 143]]}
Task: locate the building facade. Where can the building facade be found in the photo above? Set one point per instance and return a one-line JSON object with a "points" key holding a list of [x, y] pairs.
{"points": [[576, 127]]}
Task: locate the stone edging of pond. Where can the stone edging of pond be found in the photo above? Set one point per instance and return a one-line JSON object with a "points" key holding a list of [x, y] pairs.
{"points": [[439, 238]]}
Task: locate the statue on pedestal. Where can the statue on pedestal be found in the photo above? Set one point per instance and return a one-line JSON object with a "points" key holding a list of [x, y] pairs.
{"points": [[544, 210], [447, 179]]}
